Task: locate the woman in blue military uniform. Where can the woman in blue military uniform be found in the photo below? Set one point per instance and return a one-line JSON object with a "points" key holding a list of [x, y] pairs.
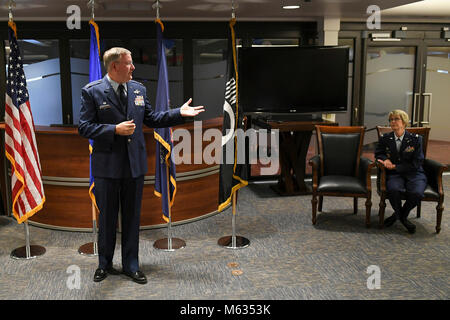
{"points": [[401, 153]]}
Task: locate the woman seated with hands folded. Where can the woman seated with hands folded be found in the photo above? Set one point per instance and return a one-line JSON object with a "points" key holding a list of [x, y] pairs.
{"points": [[400, 152]]}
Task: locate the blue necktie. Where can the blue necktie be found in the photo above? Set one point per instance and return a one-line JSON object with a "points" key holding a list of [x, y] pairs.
{"points": [[398, 143], [122, 97]]}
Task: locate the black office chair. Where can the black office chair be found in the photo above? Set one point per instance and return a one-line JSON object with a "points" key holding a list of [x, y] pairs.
{"points": [[433, 170], [339, 170]]}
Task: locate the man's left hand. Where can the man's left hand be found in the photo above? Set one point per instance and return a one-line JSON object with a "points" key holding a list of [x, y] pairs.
{"points": [[187, 111]]}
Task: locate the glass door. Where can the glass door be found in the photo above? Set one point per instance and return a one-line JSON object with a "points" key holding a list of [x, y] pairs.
{"points": [[391, 81], [434, 109]]}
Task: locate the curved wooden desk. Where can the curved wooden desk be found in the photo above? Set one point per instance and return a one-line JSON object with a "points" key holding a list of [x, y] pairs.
{"points": [[64, 157]]}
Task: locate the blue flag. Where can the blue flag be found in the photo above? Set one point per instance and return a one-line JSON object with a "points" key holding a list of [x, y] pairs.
{"points": [[95, 73], [165, 175]]}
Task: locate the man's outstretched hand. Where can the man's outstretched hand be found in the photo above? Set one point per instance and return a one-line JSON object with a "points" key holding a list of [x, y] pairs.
{"points": [[188, 111]]}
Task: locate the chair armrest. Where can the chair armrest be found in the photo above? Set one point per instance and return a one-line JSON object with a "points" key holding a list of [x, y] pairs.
{"points": [[381, 177], [315, 163], [365, 167], [433, 171]]}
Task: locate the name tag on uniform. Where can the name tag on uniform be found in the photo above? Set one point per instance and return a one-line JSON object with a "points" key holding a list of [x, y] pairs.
{"points": [[139, 101], [105, 106]]}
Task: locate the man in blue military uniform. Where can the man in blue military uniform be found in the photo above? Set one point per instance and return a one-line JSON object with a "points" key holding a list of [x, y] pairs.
{"points": [[401, 154], [113, 111]]}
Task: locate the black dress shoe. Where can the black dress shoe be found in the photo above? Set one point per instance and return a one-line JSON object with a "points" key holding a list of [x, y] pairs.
{"points": [[137, 276], [100, 274], [390, 221], [408, 225]]}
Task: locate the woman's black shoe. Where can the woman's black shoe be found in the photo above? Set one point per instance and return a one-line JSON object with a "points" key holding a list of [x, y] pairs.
{"points": [[390, 221], [408, 225]]}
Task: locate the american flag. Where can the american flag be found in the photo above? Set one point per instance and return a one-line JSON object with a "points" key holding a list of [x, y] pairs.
{"points": [[20, 142]]}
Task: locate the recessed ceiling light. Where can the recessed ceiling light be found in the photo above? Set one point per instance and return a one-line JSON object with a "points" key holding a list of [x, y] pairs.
{"points": [[291, 7]]}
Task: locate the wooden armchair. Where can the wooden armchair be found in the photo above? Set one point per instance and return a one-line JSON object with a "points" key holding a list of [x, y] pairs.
{"points": [[433, 170], [339, 170]]}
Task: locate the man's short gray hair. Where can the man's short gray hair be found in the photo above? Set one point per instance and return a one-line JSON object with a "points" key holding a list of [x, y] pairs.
{"points": [[112, 55]]}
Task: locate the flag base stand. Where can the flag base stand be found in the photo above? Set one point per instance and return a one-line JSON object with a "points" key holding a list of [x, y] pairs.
{"points": [[89, 249], [238, 243], [175, 244], [28, 251], [33, 251], [169, 243], [233, 241]]}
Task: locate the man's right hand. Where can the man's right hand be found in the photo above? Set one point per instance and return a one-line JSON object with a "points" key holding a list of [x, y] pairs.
{"points": [[125, 128]]}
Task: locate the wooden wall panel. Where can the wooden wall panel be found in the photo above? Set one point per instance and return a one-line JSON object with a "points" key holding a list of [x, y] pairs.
{"points": [[67, 207], [70, 207], [63, 155], [194, 198]]}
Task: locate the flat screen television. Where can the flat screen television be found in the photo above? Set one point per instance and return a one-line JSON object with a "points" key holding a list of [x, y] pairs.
{"points": [[293, 80]]}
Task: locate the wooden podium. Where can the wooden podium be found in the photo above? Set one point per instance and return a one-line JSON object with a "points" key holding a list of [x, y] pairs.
{"points": [[295, 137]]}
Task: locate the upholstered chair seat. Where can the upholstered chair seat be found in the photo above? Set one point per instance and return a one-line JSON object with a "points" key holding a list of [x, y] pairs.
{"points": [[339, 170]]}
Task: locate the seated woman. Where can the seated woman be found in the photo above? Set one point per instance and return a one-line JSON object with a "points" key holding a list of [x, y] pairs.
{"points": [[400, 152]]}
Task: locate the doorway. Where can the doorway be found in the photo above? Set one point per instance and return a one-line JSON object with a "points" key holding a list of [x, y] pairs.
{"points": [[414, 76]]}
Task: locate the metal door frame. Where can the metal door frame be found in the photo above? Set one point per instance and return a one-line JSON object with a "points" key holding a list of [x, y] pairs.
{"points": [[426, 97], [356, 86]]}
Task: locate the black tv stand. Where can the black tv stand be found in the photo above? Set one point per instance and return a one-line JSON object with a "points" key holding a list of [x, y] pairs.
{"points": [[289, 117], [295, 137]]}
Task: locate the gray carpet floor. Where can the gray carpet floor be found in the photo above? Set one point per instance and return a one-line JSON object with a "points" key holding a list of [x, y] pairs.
{"points": [[288, 258]]}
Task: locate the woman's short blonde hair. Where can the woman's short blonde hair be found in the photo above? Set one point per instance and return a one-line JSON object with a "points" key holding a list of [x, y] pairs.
{"points": [[402, 114], [112, 55]]}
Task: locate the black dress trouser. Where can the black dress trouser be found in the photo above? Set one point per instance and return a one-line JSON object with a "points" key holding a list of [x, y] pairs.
{"points": [[110, 194], [414, 187]]}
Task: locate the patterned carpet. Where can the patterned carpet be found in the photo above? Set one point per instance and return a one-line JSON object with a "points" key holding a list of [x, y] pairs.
{"points": [[288, 258]]}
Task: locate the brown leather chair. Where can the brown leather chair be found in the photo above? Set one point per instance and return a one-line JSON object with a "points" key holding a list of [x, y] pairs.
{"points": [[339, 170], [433, 170]]}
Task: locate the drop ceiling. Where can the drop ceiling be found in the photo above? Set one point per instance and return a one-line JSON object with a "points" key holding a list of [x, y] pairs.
{"points": [[217, 10]]}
